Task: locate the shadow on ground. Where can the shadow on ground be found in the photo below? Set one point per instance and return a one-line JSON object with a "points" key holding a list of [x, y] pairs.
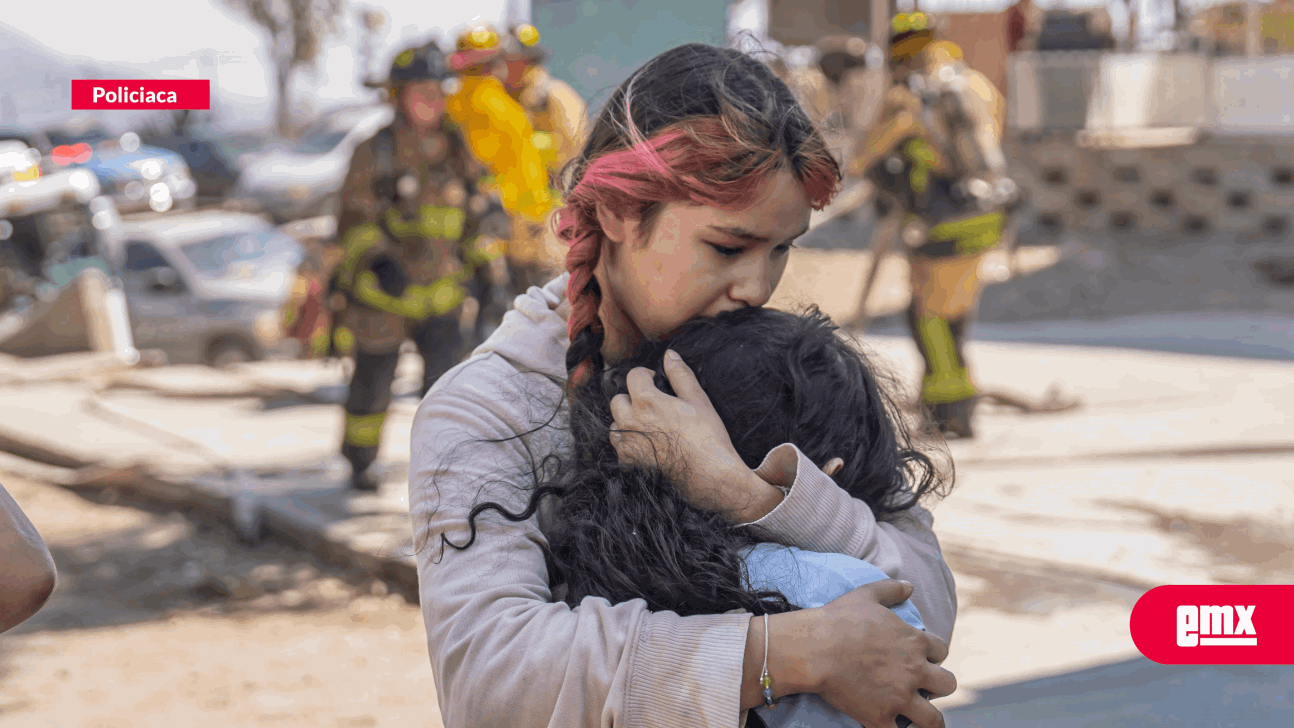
{"points": [[1020, 587], [1138, 693], [1264, 547]]}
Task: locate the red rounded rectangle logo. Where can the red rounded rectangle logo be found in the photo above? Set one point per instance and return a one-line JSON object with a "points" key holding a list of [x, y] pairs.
{"points": [[192, 94], [1216, 625]]}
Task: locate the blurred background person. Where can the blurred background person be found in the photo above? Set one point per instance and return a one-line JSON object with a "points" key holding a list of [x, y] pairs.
{"points": [[935, 154], [27, 573], [411, 207], [559, 117], [499, 132]]}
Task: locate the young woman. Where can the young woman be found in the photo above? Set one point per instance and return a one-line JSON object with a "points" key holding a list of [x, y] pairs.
{"points": [[697, 177], [617, 528]]}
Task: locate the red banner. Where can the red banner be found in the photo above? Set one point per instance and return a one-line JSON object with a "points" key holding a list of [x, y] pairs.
{"points": [[125, 94], [1216, 625]]}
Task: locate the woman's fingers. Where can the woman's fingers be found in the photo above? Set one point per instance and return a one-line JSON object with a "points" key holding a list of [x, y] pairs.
{"points": [[683, 380], [936, 648], [939, 682], [640, 383], [923, 714], [621, 409], [889, 592]]}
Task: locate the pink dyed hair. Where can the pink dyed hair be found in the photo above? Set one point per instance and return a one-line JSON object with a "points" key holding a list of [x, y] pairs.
{"points": [[702, 160]]}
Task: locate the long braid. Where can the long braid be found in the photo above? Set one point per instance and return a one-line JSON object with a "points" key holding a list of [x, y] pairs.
{"points": [[585, 327]]}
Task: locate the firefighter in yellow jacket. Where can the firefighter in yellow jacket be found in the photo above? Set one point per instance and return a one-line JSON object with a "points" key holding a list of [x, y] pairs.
{"points": [[411, 219], [935, 152], [500, 134], [560, 120]]}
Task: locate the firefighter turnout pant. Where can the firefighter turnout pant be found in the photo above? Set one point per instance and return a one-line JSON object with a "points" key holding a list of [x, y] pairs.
{"points": [[945, 286], [440, 344]]}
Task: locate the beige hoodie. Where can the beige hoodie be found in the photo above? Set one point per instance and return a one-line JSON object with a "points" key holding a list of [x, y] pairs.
{"points": [[502, 652]]}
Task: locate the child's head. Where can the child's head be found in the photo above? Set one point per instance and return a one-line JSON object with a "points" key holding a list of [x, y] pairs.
{"points": [[777, 377], [773, 377], [695, 127]]}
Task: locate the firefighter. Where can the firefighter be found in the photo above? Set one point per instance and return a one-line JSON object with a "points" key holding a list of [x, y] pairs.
{"points": [[500, 133], [411, 215], [560, 119], [935, 154]]}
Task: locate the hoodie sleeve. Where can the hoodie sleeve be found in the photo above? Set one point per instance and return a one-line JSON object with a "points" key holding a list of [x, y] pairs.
{"points": [[818, 515], [503, 654]]}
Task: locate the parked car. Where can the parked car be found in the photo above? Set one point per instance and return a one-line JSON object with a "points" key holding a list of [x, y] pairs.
{"points": [[135, 176], [208, 287], [55, 231], [213, 173], [305, 180], [18, 161]]}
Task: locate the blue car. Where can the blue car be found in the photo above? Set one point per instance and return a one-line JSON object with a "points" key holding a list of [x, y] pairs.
{"points": [[138, 178]]}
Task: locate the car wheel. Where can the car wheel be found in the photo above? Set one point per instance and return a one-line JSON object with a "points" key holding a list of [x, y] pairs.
{"points": [[228, 353]]}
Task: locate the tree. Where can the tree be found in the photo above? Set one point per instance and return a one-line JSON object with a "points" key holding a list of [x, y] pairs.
{"points": [[296, 29]]}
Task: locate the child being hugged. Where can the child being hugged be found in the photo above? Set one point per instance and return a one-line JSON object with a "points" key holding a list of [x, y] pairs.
{"points": [[621, 531]]}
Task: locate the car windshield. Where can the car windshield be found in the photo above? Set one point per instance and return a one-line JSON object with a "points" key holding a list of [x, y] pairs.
{"points": [[225, 256], [320, 141], [89, 136]]}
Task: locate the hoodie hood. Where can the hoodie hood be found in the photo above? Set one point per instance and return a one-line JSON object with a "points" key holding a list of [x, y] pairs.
{"points": [[532, 336]]}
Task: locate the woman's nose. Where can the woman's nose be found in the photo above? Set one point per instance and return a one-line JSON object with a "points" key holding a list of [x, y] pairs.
{"points": [[754, 283]]}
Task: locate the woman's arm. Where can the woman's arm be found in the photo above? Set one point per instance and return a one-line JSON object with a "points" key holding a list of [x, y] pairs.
{"points": [[819, 515], [502, 653], [816, 515], [27, 574]]}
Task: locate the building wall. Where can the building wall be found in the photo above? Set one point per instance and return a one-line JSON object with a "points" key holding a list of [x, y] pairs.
{"points": [[597, 44], [982, 37]]}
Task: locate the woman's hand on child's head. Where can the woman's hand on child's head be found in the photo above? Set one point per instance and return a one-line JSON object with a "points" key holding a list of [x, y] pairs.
{"points": [[874, 663], [684, 437]]}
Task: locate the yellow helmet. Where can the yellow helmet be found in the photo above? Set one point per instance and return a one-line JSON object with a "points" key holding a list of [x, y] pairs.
{"points": [[905, 22], [478, 38], [522, 42], [477, 45], [911, 33]]}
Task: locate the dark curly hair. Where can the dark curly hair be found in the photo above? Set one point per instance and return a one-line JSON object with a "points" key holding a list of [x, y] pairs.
{"points": [[625, 532]]}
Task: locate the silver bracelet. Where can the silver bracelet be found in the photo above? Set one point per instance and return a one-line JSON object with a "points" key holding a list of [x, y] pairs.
{"points": [[764, 680]]}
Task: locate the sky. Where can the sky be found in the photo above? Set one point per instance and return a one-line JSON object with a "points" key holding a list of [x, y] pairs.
{"points": [[158, 33], [160, 37]]}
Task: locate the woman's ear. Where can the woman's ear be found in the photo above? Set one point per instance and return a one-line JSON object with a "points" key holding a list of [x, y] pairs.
{"points": [[614, 226]]}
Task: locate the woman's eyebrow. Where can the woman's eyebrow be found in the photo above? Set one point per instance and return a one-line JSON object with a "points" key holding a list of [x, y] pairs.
{"points": [[748, 236]]}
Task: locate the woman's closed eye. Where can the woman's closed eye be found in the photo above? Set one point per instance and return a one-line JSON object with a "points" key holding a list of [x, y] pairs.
{"points": [[726, 251], [732, 252]]}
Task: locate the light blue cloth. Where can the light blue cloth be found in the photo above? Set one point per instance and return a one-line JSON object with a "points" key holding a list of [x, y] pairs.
{"points": [[809, 579]]}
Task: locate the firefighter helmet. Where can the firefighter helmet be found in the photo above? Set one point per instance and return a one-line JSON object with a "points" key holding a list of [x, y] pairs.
{"points": [[911, 33], [522, 42], [476, 46], [419, 63]]}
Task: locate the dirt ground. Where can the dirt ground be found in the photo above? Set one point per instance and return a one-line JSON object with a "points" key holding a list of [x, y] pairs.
{"points": [[163, 621]]}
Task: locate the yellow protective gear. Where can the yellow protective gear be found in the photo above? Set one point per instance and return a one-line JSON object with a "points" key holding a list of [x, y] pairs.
{"points": [[418, 303], [364, 430], [500, 135]]}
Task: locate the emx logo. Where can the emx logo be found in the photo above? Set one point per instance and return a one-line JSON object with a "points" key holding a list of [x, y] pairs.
{"points": [[1216, 625], [1224, 625]]}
